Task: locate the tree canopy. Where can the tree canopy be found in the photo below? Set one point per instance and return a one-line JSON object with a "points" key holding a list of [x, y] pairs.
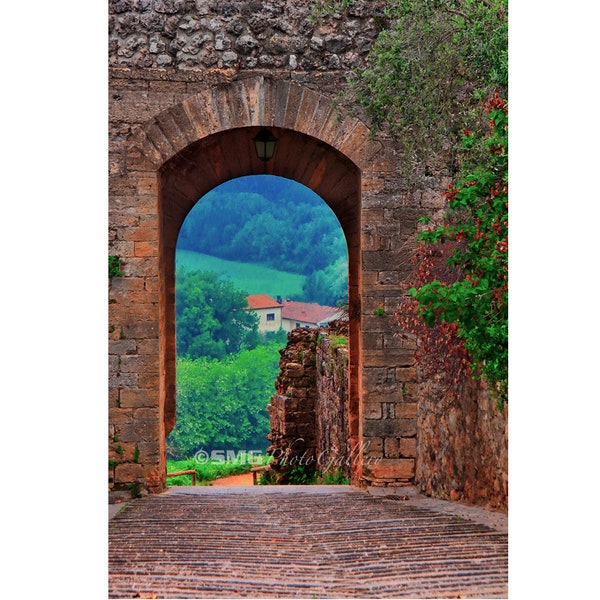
{"points": [[221, 404], [430, 71], [267, 220], [212, 320]]}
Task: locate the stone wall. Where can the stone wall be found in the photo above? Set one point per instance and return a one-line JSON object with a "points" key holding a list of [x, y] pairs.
{"points": [[212, 34], [334, 453], [462, 451], [309, 413], [292, 409]]}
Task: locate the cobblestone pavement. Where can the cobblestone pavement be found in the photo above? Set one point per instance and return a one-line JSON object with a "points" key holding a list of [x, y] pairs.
{"points": [[303, 542]]}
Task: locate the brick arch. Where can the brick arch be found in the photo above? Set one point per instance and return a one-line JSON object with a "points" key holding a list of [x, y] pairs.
{"points": [[253, 102], [207, 140], [199, 143], [229, 154]]}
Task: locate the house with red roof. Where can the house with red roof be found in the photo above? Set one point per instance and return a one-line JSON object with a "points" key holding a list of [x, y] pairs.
{"points": [[287, 314], [268, 311]]}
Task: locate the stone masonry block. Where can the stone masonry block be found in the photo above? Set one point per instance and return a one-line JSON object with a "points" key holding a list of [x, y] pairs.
{"points": [[128, 472], [120, 347], [400, 357], [391, 468], [406, 410], [372, 447], [148, 248], [407, 374], [294, 370], [138, 398], [408, 447], [390, 428], [391, 447], [372, 410]]}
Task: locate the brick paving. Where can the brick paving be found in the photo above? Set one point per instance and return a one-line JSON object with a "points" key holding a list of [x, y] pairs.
{"points": [[301, 542]]}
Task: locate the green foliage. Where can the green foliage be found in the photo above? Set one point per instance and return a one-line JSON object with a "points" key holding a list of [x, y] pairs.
{"points": [[250, 277], [328, 286], [429, 71], [221, 404], [334, 478], [114, 266], [380, 312], [322, 8], [210, 470], [265, 220], [267, 478], [301, 475], [338, 341], [212, 320], [477, 225]]}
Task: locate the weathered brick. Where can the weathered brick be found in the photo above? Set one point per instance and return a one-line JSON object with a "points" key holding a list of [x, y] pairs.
{"points": [[138, 398], [408, 447]]}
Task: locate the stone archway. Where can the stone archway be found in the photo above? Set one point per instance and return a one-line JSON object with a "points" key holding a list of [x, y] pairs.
{"points": [[177, 157], [230, 154]]}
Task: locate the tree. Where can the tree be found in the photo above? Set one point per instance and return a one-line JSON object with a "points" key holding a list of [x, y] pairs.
{"points": [[328, 286], [266, 220], [221, 404], [212, 320]]}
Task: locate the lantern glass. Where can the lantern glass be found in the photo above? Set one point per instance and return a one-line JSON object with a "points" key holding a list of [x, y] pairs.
{"points": [[264, 143]]}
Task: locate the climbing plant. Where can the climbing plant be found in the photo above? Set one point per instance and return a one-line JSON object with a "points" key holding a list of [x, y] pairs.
{"points": [[462, 268]]}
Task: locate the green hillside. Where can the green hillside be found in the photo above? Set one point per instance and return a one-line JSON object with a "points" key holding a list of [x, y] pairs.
{"points": [[254, 279]]}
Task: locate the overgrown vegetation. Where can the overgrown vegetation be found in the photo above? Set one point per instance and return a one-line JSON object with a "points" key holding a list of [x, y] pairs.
{"points": [[114, 266], [425, 84], [429, 73], [469, 302]]}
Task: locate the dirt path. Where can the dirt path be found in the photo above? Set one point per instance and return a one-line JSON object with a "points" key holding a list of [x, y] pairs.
{"points": [[244, 479]]}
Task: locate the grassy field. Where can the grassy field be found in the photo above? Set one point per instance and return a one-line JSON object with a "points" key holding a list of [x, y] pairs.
{"points": [[253, 279]]}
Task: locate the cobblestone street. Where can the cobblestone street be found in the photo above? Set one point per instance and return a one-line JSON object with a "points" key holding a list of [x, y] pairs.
{"points": [[304, 542]]}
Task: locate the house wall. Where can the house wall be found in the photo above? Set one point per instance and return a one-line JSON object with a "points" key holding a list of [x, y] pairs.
{"points": [[288, 324], [265, 326]]}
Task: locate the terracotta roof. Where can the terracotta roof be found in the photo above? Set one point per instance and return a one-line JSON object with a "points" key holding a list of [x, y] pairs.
{"points": [[262, 301], [308, 313]]}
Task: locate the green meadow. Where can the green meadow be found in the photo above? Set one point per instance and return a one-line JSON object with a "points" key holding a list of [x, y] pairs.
{"points": [[252, 278]]}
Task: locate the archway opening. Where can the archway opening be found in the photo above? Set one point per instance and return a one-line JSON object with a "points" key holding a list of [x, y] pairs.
{"points": [[257, 257], [228, 155]]}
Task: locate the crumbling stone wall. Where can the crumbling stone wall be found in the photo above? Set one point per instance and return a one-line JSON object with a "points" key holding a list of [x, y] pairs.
{"points": [[292, 409], [334, 452], [309, 412]]}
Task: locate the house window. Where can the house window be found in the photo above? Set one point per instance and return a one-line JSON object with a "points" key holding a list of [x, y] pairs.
{"points": [[297, 324], [270, 316]]}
